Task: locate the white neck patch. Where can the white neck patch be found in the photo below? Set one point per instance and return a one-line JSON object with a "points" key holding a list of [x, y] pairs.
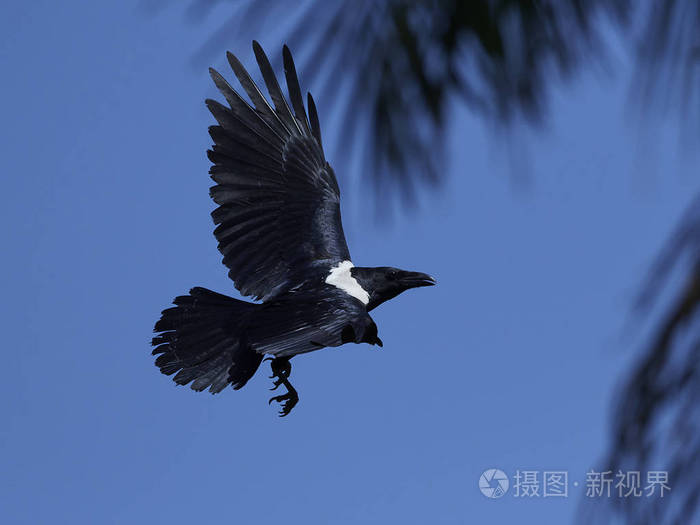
{"points": [[340, 277]]}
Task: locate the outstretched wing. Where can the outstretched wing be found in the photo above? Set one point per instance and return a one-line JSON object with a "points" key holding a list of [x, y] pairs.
{"points": [[279, 202]]}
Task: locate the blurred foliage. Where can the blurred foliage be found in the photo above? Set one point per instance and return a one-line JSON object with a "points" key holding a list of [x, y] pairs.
{"points": [[399, 62], [656, 423], [394, 66], [668, 61]]}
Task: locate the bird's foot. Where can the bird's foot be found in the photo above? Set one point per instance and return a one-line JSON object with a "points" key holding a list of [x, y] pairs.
{"points": [[288, 400], [281, 369]]}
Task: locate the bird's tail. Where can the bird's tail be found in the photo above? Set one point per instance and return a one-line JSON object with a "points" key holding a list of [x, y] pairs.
{"points": [[203, 339]]}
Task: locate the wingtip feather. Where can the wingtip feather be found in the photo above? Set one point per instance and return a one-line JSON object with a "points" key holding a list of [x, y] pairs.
{"points": [[294, 88], [313, 119]]}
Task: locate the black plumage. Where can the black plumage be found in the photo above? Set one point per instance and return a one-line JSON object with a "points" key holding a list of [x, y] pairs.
{"points": [[279, 230]]}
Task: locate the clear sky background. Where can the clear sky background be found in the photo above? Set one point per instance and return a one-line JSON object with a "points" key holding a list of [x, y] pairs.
{"points": [[511, 362]]}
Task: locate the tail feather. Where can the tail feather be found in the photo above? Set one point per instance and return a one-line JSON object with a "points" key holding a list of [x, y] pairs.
{"points": [[202, 340]]}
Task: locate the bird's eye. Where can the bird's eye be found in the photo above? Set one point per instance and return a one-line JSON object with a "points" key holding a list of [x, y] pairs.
{"points": [[392, 275]]}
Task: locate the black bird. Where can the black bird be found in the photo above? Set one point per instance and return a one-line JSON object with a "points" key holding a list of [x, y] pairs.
{"points": [[279, 230]]}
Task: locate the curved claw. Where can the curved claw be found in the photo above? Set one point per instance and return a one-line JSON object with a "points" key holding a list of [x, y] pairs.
{"points": [[288, 402], [281, 370], [286, 408]]}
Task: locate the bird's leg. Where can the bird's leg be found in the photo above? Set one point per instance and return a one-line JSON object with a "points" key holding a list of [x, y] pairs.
{"points": [[281, 369]]}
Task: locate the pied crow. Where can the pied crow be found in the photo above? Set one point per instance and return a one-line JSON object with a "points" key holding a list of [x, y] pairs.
{"points": [[278, 227]]}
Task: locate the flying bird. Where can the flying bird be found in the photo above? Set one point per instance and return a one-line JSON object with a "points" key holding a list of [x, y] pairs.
{"points": [[279, 230]]}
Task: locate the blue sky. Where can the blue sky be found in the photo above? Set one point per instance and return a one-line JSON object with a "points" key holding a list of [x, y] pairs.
{"points": [[510, 363]]}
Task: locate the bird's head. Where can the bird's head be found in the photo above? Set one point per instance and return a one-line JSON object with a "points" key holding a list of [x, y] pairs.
{"points": [[384, 283]]}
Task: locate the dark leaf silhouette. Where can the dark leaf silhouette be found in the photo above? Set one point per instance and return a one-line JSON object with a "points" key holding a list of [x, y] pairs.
{"points": [[656, 423], [399, 62], [657, 419]]}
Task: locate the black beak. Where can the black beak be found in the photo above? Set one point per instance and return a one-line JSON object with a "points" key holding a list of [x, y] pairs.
{"points": [[416, 279]]}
